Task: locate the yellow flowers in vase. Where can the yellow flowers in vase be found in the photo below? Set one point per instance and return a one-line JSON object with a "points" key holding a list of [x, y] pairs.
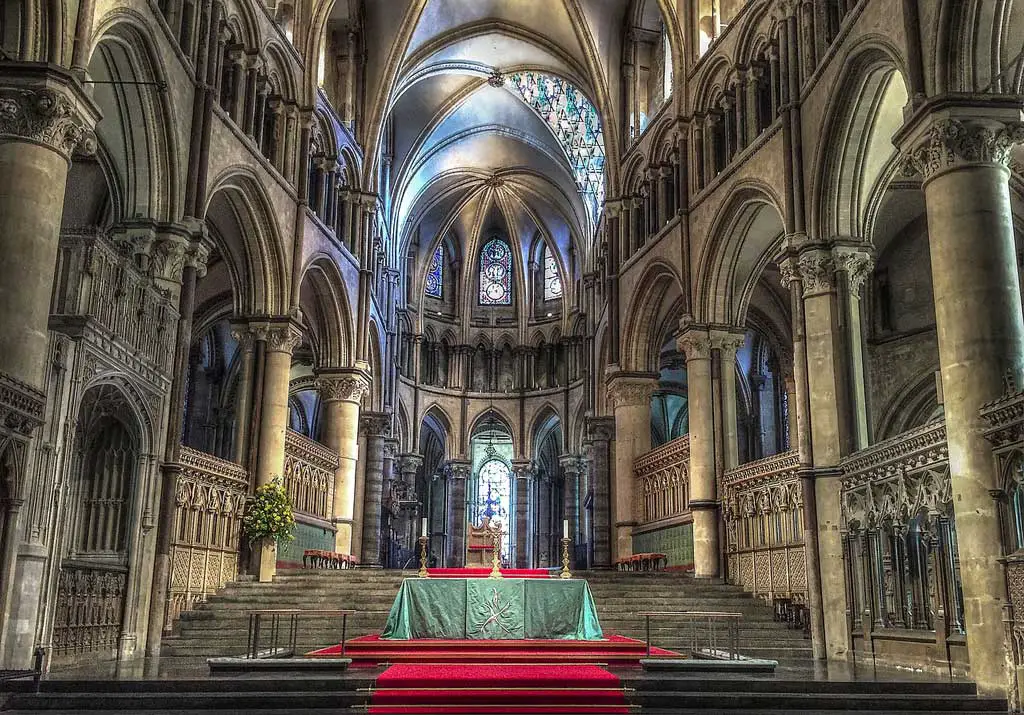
{"points": [[268, 513]]}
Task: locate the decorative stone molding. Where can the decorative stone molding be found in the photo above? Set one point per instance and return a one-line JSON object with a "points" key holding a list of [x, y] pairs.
{"points": [[496, 79], [817, 271], [628, 391], [47, 116], [1005, 418], [22, 406], [948, 143], [572, 464], [662, 485]]}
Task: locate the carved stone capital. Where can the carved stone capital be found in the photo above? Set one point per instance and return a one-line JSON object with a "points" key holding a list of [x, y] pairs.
{"points": [[728, 342], [344, 386], [857, 265], [600, 429], [409, 463], [523, 468], [281, 337], [947, 143], [375, 424], [45, 106], [631, 390], [572, 464], [458, 469], [22, 407], [694, 343], [817, 271]]}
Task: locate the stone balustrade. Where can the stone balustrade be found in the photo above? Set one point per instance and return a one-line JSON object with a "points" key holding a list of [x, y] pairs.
{"points": [[209, 504], [309, 475], [662, 489], [763, 510]]}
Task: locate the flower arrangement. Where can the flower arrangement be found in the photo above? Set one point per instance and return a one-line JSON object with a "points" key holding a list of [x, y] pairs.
{"points": [[268, 513]]}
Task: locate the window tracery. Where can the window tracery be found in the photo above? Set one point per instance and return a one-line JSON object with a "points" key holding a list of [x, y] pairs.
{"points": [[496, 273]]}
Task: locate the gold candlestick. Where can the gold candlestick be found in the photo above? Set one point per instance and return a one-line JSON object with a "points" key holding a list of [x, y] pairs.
{"points": [[565, 559], [423, 558], [495, 551]]}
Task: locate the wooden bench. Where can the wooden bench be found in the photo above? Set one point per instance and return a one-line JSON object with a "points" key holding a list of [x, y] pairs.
{"points": [[642, 562], [320, 559]]}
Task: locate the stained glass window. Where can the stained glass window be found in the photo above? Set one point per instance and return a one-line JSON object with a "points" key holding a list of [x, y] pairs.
{"points": [[435, 273], [552, 280], [494, 497], [575, 123], [496, 273]]}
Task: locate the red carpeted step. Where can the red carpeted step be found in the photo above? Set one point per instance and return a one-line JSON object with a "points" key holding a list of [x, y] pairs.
{"points": [[452, 688], [374, 649]]}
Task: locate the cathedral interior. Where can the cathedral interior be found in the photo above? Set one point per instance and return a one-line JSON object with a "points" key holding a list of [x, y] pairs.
{"points": [[731, 281]]}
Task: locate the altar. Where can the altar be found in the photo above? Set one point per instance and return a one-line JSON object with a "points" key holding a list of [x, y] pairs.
{"points": [[493, 609]]}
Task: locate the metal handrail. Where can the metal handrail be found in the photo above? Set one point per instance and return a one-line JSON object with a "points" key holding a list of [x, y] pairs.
{"points": [[252, 649], [695, 618]]}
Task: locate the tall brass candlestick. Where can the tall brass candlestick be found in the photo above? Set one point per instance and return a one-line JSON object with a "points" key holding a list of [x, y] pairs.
{"points": [[423, 558], [565, 559], [495, 551]]}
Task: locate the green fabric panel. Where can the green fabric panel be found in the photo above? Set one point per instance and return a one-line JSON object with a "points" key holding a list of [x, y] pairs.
{"points": [[676, 542], [561, 609], [307, 536], [482, 608], [495, 608], [427, 608]]}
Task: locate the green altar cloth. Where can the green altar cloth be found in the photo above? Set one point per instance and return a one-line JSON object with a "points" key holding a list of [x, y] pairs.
{"points": [[493, 609]]}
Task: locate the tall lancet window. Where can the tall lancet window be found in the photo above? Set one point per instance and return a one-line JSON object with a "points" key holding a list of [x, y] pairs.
{"points": [[552, 281], [435, 274], [496, 273]]}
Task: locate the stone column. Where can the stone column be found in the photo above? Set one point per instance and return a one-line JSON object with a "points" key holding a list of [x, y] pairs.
{"points": [[523, 471], [377, 426], [963, 154], [44, 118], [342, 392], [457, 473], [855, 262], [695, 343], [630, 395], [408, 464], [727, 343], [600, 433], [571, 468], [281, 337]]}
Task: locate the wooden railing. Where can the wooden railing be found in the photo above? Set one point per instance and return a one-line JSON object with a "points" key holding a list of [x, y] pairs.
{"points": [[763, 509], [662, 488], [309, 469], [210, 501]]}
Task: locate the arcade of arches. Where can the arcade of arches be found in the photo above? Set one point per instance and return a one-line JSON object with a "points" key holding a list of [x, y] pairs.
{"points": [[731, 280]]}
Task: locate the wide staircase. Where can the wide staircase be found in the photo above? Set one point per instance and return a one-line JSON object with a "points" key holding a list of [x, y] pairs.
{"points": [[220, 626]]}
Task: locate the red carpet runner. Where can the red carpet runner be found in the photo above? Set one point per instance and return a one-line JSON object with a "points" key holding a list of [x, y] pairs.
{"points": [[479, 688]]}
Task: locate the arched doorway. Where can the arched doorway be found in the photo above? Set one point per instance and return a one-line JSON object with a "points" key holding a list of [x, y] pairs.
{"points": [[101, 497]]}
